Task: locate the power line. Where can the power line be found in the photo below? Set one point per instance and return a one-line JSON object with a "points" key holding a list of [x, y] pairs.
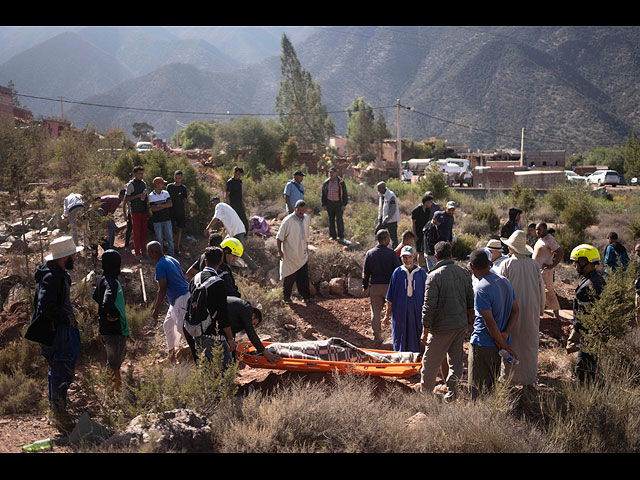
{"points": [[156, 110], [228, 113]]}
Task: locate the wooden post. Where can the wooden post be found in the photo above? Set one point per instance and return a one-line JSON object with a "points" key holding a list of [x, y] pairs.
{"points": [[144, 291]]}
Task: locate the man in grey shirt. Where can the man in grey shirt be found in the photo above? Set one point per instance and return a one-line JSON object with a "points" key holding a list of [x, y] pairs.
{"points": [[446, 314]]}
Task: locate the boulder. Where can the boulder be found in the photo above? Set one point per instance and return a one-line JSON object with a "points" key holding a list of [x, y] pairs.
{"points": [[179, 430], [354, 287], [337, 286], [324, 289], [14, 298]]}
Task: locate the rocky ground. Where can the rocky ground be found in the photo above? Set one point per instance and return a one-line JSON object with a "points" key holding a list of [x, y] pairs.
{"points": [[331, 315]]}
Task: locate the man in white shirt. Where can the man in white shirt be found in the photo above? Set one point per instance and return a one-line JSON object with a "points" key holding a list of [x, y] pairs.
{"points": [[388, 213], [293, 239], [543, 252], [161, 204], [72, 205], [232, 224]]}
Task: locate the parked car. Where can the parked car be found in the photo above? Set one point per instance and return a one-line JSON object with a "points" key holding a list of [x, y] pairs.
{"points": [[634, 181], [574, 177], [142, 147], [604, 177]]}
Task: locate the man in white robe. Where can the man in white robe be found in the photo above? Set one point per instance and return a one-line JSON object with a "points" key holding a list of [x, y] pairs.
{"points": [[293, 239], [524, 274]]}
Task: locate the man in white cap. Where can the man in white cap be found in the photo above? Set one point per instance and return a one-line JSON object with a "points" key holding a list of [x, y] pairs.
{"points": [[524, 274], [405, 298], [388, 213], [447, 222], [54, 326]]}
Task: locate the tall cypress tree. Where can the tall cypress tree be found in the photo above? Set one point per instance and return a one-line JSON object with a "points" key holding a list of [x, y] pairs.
{"points": [[299, 101]]}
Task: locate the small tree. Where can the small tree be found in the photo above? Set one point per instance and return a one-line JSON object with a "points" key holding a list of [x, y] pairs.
{"points": [[435, 181], [290, 152], [142, 130], [611, 316]]}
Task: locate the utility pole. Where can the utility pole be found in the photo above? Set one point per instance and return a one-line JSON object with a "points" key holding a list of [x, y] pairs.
{"points": [[61, 111], [522, 149], [398, 137]]}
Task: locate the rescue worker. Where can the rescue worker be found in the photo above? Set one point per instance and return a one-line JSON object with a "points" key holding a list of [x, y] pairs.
{"points": [[585, 258]]}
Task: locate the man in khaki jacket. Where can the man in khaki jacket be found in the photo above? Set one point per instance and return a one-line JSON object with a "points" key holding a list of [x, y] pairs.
{"points": [[446, 315]]}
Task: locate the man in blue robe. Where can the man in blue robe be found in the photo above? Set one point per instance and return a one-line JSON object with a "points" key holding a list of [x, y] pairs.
{"points": [[405, 299]]}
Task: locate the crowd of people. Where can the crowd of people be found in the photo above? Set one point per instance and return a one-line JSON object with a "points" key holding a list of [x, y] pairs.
{"points": [[431, 303]]}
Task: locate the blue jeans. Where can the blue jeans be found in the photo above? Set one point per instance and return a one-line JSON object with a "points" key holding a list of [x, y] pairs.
{"points": [[164, 231], [61, 357], [205, 344]]}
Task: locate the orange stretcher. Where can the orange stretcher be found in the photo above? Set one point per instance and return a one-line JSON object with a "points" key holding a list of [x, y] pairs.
{"points": [[248, 355]]}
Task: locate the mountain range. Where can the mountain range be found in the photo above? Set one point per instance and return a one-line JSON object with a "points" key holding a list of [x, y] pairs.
{"points": [[570, 88]]}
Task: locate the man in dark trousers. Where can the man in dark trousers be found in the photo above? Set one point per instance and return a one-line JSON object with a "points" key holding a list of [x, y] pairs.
{"points": [[379, 264], [234, 196], [585, 258], [54, 326], [334, 201], [179, 193], [244, 317], [209, 327], [420, 216]]}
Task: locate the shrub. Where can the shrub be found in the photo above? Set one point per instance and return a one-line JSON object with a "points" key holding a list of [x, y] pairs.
{"points": [[580, 213], [435, 181], [522, 197], [19, 393], [488, 216], [610, 317], [464, 245]]}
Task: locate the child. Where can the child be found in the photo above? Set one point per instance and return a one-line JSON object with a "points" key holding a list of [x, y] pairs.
{"points": [[408, 240], [113, 327]]}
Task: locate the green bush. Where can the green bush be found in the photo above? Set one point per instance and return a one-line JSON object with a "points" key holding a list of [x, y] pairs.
{"points": [[580, 213], [522, 197], [611, 316], [435, 181], [487, 215], [464, 245]]}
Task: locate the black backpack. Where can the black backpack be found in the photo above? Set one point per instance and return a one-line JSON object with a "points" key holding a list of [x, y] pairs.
{"points": [[197, 318]]}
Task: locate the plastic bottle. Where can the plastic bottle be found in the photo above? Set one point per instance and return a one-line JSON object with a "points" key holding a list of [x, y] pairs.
{"points": [[508, 357], [40, 445]]}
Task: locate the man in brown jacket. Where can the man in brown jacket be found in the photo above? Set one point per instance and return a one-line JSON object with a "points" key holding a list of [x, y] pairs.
{"points": [[446, 315]]}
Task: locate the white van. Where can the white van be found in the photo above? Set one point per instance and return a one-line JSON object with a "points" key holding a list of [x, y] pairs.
{"points": [[142, 147]]}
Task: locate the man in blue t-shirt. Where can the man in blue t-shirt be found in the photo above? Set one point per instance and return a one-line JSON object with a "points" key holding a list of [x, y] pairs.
{"points": [[496, 312], [294, 191], [173, 284]]}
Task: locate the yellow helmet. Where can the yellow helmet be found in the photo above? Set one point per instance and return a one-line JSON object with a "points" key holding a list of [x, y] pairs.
{"points": [[234, 245], [587, 251]]}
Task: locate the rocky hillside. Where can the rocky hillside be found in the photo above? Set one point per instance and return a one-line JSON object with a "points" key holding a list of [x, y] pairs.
{"points": [[571, 88]]}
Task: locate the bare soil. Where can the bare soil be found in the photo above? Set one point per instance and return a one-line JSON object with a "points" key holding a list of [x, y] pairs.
{"points": [[334, 316]]}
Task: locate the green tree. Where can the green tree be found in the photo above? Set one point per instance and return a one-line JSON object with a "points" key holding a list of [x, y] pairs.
{"points": [[198, 135], [142, 130], [632, 156], [299, 101], [380, 132], [360, 130], [289, 152], [250, 141]]}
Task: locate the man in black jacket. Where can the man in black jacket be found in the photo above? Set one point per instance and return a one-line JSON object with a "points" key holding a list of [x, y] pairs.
{"points": [[112, 317], [245, 317], [54, 326], [210, 327], [334, 201], [510, 226]]}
